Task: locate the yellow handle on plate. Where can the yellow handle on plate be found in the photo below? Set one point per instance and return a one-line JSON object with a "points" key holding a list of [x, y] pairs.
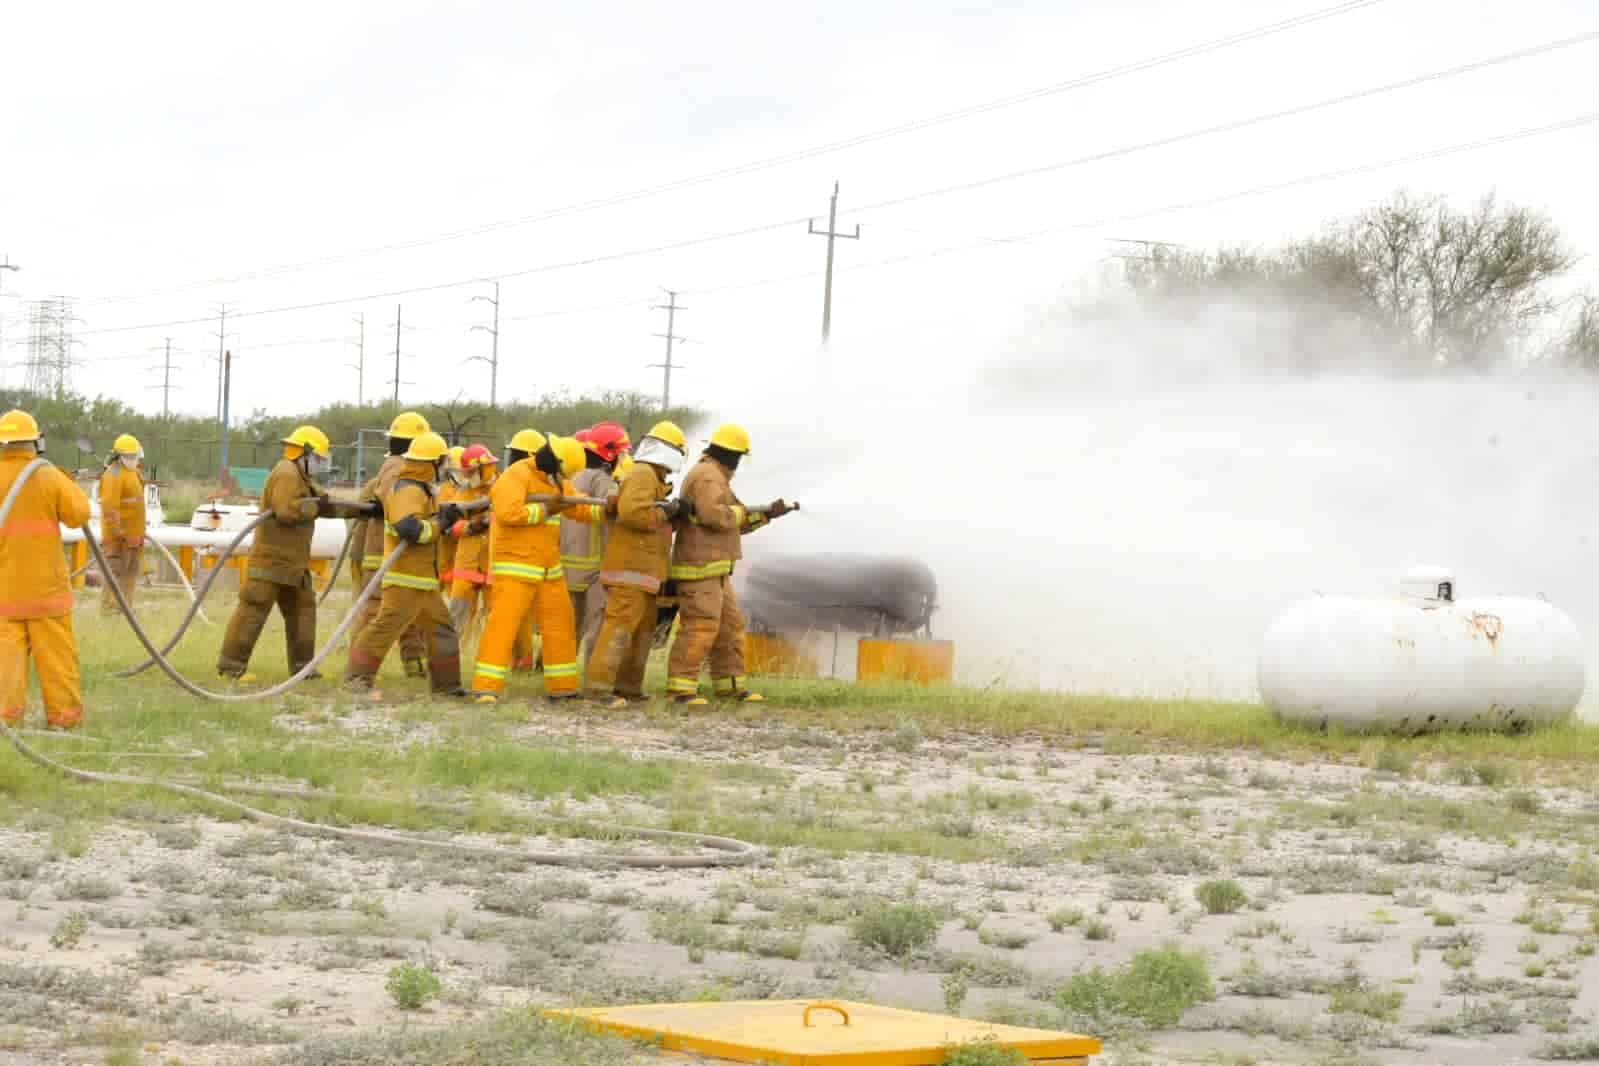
{"points": [[825, 1006]]}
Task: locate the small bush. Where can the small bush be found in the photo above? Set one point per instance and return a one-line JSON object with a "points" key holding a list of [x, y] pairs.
{"points": [[984, 1053], [1221, 897], [1155, 986], [1525, 802], [69, 930], [1097, 929], [1383, 1006], [1060, 919], [897, 929], [412, 986], [1009, 939]]}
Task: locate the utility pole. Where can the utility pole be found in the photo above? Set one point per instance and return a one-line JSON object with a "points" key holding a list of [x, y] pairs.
{"points": [[831, 233], [227, 390], [359, 366], [396, 381], [4, 266], [494, 352], [166, 383], [222, 336], [671, 307]]}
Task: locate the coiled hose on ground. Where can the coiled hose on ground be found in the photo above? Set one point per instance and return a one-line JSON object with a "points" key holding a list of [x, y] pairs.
{"points": [[730, 852]]}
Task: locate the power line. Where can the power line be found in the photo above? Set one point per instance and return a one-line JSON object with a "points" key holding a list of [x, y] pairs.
{"points": [[1242, 123], [1187, 205], [1113, 153], [1081, 82]]}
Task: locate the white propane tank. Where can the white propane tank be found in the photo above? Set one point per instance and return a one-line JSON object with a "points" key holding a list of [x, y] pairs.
{"points": [[1423, 660]]}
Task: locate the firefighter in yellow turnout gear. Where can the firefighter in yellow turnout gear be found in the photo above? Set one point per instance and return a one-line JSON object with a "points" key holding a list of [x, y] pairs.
{"points": [[470, 585], [411, 597], [526, 563], [710, 624], [583, 543], [122, 520], [280, 556], [35, 594], [634, 566], [368, 544]]}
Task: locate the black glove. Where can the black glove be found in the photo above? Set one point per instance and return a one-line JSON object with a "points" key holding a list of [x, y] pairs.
{"points": [[778, 508], [479, 523], [409, 529], [326, 508], [449, 514], [671, 509], [371, 509]]}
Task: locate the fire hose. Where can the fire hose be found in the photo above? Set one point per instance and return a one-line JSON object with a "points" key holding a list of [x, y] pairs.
{"points": [[731, 852]]}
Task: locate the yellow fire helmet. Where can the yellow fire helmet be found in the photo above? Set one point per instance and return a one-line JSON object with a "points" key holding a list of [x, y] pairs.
{"points": [[408, 425], [571, 454], [18, 427], [624, 467], [672, 435], [309, 437], [127, 444], [427, 448], [455, 454], [528, 440], [733, 438]]}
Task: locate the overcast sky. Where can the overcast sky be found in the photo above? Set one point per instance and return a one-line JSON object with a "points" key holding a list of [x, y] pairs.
{"points": [[151, 154]]}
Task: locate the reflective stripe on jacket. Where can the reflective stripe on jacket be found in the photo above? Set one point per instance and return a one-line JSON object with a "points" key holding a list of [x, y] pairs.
{"points": [[526, 538], [639, 549], [583, 543], [708, 545], [412, 494]]}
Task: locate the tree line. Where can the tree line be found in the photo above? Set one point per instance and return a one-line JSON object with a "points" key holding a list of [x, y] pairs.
{"points": [[79, 430], [1414, 282]]}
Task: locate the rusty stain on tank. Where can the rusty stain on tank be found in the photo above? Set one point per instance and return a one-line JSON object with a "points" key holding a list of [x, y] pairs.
{"points": [[1489, 625]]}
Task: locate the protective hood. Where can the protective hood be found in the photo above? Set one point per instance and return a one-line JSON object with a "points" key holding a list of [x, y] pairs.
{"points": [[657, 452]]}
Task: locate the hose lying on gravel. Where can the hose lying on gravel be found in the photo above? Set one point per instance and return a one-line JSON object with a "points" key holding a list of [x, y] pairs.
{"points": [[730, 852]]}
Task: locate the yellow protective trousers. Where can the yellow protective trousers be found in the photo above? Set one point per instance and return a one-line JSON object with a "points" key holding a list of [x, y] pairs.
{"points": [[621, 649], [50, 644], [514, 605], [464, 599], [126, 564], [297, 604], [403, 610], [710, 625], [413, 642]]}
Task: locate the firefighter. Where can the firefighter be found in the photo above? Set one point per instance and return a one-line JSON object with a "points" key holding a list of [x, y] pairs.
{"points": [[526, 563], [583, 544], [122, 520], [450, 492], [406, 427], [35, 594], [280, 556], [703, 556], [637, 555], [471, 536], [412, 516]]}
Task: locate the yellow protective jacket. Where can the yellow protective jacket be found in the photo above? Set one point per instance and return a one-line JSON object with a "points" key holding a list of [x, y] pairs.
{"points": [[412, 493], [472, 550], [639, 549], [33, 569], [448, 491], [281, 550], [708, 544], [121, 505], [525, 538], [583, 543], [371, 546]]}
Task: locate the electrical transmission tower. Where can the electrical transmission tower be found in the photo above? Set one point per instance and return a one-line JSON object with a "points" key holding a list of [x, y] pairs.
{"points": [[359, 366], [832, 234], [493, 358], [50, 346], [671, 307], [396, 382]]}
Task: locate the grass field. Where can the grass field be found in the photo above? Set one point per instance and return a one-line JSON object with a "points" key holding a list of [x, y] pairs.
{"points": [[1193, 881]]}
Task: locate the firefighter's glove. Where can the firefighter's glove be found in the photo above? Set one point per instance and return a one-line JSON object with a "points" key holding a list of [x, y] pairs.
{"points": [[778, 508], [611, 505], [479, 523], [371, 509], [449, 514], [409, 529]]}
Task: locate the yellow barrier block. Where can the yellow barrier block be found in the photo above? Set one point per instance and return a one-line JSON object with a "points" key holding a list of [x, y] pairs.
{"points": [[922, 661], [767, 654], [822, 1033]]}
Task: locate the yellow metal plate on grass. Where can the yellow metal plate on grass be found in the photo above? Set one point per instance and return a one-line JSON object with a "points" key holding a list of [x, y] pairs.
{"points": [[821, 1033]]}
